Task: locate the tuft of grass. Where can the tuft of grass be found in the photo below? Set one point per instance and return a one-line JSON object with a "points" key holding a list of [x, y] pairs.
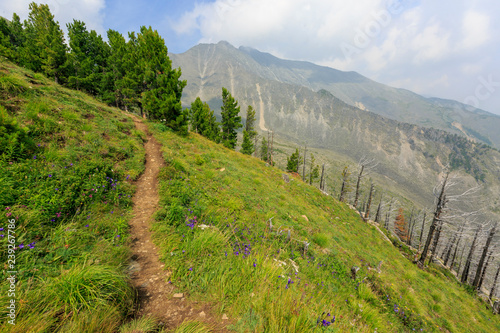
{"points": [[84, 288]]}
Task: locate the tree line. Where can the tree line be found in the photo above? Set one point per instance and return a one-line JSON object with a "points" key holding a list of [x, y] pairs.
{"points": [[133, 74]]}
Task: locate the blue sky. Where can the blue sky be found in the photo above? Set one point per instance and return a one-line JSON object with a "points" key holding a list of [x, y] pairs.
{"points": [[448, 48]]}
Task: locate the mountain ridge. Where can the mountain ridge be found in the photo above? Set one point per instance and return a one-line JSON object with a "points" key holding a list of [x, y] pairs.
{"points": [[359, 91]]}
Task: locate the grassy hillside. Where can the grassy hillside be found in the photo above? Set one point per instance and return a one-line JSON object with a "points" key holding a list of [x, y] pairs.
{"points": [[66, 166], [66, 161], [215, 235]]}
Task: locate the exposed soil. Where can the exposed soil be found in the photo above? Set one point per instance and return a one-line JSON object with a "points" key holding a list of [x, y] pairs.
{"points": [[155, 295]]}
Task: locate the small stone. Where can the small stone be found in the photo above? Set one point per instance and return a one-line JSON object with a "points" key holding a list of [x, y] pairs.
{"points": [[224, 317], [202, 314], [179, 295]]}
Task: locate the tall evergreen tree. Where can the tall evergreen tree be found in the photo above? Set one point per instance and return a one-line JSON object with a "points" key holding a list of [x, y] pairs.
{"points": [[231, 120], [6, 49], [250, 122], [313, 171], [247, 145], [249, 133], [196, 115], [293, 162], [162, 87], [263, 149], [203, 120], [87, 59], [118, 87], [44, 50]]}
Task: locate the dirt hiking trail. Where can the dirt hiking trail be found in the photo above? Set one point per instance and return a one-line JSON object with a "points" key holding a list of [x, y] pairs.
{"points": [[155, 295]]}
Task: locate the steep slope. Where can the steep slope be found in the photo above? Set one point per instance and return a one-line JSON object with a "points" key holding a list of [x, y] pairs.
{"points": [[410, 157], [66, 166], [350, 87], [276, 256]]}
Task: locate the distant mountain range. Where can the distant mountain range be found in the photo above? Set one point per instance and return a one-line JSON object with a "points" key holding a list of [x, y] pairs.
{"points": [[327, 109], [205, 64]]}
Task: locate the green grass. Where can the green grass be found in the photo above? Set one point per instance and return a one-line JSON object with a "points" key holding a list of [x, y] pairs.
{"points": [[66, 176], [272, 283], [65, 173]]}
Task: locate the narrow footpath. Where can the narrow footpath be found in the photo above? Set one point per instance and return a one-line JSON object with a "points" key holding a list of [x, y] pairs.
{"points": [[156, 296]]}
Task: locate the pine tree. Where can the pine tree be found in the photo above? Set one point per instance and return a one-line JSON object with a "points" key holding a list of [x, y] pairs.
{"points": [[203, 120], [44, 50], [263, 149], [249, 133], [231, 121], [313, 171], [5, 45], [196, 115], [250, 123], [247, 145], [292, 164], [161, 85], [87, 59]]}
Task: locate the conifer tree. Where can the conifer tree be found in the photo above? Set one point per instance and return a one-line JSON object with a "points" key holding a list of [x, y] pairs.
{"points": [[231, 121], [250, 122], [249, 132], [44, 50], [196, 115], [292, 164], [5, 45], [313, 171], [203, 120], [161, 85], [247, 145], [87, 58], [263, 149]]}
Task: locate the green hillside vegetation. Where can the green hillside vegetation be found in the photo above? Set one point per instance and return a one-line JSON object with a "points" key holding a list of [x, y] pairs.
{"points": [[273, 254], [66, 161], [214, 230], [73, 231]]}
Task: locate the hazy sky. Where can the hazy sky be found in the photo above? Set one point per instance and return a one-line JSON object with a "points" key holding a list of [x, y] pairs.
{"points": [[448, 49]]}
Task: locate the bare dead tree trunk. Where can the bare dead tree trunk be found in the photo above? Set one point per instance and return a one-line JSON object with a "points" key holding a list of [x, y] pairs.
{"points": [[322, 180], [369, 203], [422, 231], [456, 248], [272, 142], [356, 197], [255, 153], [268, 150], [452, 243], [304, 166], [441, 203], [483, 273], [412, 222], [377, 215], [388, 215], [434, 247], [494, 286], [465, 273], [345, 180], [483, 256], [461, 260]]}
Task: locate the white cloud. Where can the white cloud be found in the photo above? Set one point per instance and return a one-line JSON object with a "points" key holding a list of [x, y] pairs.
{"points": [[433, 47], [64, 11], [476, 29]]}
